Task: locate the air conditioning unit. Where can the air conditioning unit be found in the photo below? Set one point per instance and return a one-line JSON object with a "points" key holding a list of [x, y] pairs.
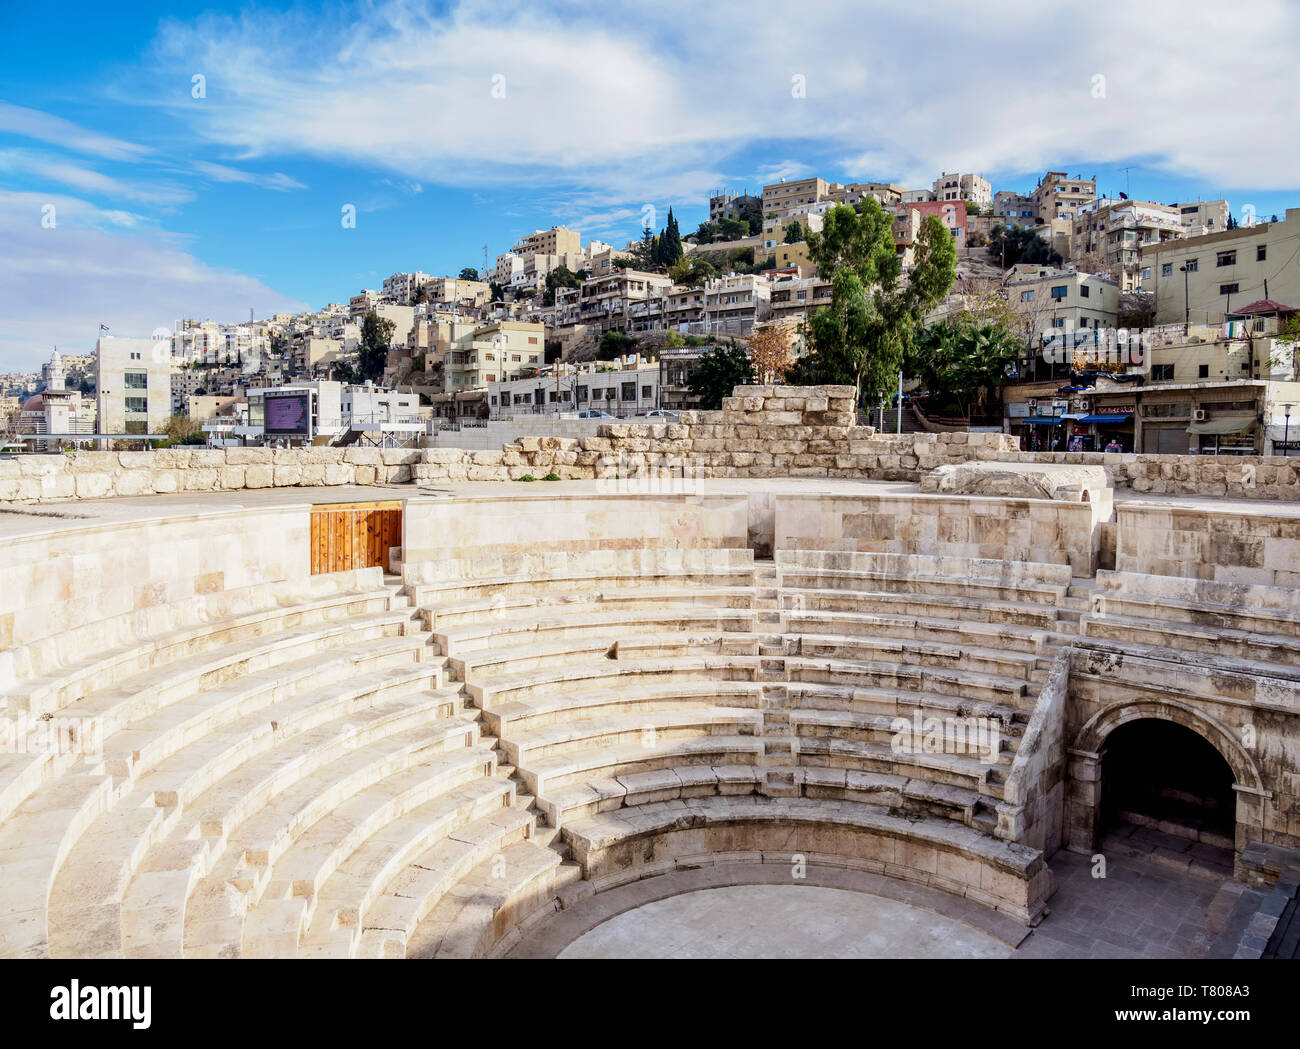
{"points": [[1200, 415], [1085, 405]]}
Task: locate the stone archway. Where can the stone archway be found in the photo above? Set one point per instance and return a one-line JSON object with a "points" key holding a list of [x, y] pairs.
{"points": [[1124, 726]]}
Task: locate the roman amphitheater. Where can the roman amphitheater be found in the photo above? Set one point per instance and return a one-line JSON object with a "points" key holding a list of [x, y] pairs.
{"points": [[761, 683]]}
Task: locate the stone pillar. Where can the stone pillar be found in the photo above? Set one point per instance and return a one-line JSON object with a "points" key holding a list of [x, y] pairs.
{"points": [[1082, 801]]}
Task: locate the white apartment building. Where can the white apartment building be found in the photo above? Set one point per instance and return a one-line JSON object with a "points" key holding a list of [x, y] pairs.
{"points": [[621, 388], [1056, 302], [402, 288], [1117, 231]]}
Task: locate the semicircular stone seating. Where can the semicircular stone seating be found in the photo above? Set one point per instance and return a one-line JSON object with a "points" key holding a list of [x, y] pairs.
{"points": [[383, 769]]}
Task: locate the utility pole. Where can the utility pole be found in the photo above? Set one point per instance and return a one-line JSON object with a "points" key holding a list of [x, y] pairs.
{"points": [[900, 400]]}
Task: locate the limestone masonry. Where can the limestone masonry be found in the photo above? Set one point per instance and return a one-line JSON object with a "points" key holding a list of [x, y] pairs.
{"points": [[466, 720], [761, 431]]}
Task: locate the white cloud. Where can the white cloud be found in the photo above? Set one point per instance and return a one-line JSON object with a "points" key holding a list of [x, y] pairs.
{"points": [[58, 285], [32, 123], [225, 173], [87, 180], [624, 98]]}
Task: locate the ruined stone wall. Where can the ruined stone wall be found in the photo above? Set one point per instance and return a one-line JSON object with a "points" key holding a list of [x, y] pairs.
{"points": [[761, 431]]}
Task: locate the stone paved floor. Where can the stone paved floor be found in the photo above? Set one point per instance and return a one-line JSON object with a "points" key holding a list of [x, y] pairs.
{"points": [[1141, 909], [782, 921]]}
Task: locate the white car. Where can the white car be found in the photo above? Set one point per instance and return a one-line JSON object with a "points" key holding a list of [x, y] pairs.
{"points": [[595, 413], [661, 413]]}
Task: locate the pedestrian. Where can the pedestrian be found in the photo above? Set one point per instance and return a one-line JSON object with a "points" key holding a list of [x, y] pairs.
{"points": [[1113, 445]]}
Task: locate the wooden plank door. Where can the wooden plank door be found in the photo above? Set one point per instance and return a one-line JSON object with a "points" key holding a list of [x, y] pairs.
{"points": [[353, 535]]}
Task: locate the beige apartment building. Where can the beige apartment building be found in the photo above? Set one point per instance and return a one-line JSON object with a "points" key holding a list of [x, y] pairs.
{"points": [[963, 186], [781, 197], [1204, 216], [1117, 232], [797, 298], [1057, 195], [557, 240], [133, 384], [453, 290], [734, 304], [491, 353], [605, 302], [1054, 302], [1201, 280]]}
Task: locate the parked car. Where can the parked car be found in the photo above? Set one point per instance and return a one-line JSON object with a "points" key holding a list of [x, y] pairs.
{"points": [[660, 413], [595, 413]]}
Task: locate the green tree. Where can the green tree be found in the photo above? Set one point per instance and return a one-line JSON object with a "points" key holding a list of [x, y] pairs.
{"points": [[733, 229], [1013, 244], [720, 370], [960, 361], [670, 244], [707, 233], [469, 273], [560, 277], [497, 292], [794, 233], [614, 344], [861, 338], [372, 357], [749, 209]]}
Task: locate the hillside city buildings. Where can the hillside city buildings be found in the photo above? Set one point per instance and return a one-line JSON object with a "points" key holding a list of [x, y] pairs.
{"points": [[524, 337]]}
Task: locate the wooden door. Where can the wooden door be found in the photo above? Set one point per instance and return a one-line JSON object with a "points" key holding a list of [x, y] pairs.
{"points": [[353, 535]]}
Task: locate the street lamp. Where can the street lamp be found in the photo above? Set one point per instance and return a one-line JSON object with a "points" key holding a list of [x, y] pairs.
{"points": [[1286, 429], [1187, 310]]}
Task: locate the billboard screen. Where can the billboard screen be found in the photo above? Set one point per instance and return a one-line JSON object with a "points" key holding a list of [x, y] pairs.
{"points": [[288, 414]]}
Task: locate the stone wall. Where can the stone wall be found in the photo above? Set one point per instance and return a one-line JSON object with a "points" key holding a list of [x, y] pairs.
{"points": [[761, 431], [1257, 547]]}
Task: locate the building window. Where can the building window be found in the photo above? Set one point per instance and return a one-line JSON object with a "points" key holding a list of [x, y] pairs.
{"points": [[629, 391], [1060, 291], [137, 404], [1203, 371], [1167, 269], [1226, 258], [1261, 252], [136, 380], [1162, 372], [1193, 265], [1086, 292], [1027, 296], [1227, 289], [647, 392]]}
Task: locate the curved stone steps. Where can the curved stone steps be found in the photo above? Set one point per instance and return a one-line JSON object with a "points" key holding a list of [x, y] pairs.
{"points": [[116, 845], [206, 621], [945, 655], [875, 674], [955, 770], [295, 877], [893, 792], [253, 829], [630, 843], [612, 674], [804, 578], [929, 629], [606, 793], [613, 697], [704, 748], [485, 666], [93, 727], [486, 907], [933, 606], [456, 590], [1245, 645], [523, 748], [582, 625], [480, 614], [802, 695]]}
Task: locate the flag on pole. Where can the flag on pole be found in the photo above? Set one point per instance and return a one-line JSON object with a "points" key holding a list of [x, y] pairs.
{"points": [[103, 328]]}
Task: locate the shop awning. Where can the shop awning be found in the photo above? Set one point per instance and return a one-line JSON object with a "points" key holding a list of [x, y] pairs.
{"points": [[1230, 424], [1117, 417], [1052, 420]]}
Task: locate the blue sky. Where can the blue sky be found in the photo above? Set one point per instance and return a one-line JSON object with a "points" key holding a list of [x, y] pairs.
{"points": [[454, 125]]}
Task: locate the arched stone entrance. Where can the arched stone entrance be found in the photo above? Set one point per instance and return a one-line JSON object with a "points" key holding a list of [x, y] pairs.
{"points": [[1162, 775], [1166, 766]]}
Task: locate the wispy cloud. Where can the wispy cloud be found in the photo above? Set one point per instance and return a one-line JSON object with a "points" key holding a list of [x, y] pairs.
{"points": [[57, 285], [44, 127], [225, 173], [43, 168]]}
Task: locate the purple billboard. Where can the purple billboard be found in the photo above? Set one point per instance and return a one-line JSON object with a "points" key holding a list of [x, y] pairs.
{"points": [[288, 414]]}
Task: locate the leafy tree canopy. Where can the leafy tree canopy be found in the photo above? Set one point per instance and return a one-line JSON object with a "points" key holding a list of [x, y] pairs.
{"points": [[720, 370]]}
